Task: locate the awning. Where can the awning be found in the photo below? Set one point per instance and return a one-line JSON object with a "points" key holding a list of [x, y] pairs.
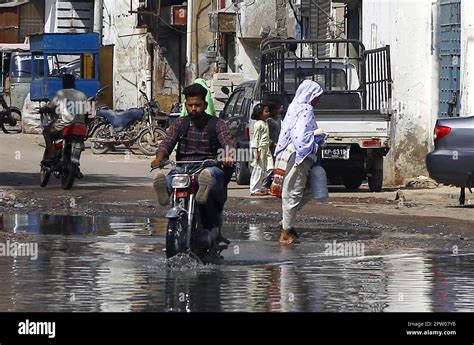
{"points": [[14, 3]]}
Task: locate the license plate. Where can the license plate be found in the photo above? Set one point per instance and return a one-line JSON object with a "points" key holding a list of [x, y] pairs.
{"points": [[336, 152], [181, 195]]}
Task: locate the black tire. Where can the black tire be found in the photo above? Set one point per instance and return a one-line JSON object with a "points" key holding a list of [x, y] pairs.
{"points": [[69, 169], [176, 235], [44, 176], [12, 125], [242, 173], [101, 132], [148, 144], [352, 183], [376, 180]]}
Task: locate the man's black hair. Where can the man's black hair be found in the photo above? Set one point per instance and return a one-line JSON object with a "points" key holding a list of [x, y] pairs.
{"points": [[69, 81], [195, 90], [292, 46]]}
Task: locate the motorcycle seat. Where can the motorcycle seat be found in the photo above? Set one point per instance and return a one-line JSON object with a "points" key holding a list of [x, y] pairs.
{"points": [[121, 118]]}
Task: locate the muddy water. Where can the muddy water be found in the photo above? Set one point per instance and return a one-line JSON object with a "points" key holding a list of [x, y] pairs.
{"points": [[117, 264]]}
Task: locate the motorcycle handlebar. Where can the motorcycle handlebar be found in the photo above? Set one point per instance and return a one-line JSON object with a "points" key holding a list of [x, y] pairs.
{"points": [[204, 164]]}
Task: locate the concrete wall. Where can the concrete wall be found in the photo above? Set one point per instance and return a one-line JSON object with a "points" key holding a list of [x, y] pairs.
{"points": [[467, 58], [132, 61], [407, 27], [202, 38], [256, 20]]}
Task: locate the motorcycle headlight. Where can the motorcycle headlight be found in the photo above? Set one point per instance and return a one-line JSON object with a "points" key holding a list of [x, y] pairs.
{"points": [[180, 181]]}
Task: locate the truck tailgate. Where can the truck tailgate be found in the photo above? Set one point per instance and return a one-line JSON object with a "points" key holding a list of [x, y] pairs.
{"points": [[354, 124]]}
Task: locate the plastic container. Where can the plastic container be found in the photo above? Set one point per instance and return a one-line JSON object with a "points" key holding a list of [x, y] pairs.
{"points": [[277, 183], [318, 183]]}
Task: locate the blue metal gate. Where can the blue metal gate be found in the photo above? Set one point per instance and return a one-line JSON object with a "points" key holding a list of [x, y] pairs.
{"points": [[449, 47]]}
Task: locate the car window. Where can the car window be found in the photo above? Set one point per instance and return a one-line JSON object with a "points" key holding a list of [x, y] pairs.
{"points": [[238, 104], [245, 107], [229, 106]]}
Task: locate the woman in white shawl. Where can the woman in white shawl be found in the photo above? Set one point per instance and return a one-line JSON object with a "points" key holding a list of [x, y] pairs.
{"points": [[298, 147]]}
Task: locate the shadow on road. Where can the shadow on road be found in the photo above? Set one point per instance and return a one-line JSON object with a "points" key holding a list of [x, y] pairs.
{"points": [[97, 181]]}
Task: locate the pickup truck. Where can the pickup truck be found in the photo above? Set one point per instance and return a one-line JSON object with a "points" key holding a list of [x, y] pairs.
{"points": [[354, 109]]}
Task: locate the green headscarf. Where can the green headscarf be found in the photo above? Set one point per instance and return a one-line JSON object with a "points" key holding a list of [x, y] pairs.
{"points": [[210, 104]]}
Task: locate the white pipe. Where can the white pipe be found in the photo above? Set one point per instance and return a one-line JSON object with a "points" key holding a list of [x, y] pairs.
{"points": [[467, 58], [98, 17], [189, 33]]}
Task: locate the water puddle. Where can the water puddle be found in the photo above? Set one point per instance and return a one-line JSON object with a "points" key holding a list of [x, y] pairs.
{"points": [[118, 264]]}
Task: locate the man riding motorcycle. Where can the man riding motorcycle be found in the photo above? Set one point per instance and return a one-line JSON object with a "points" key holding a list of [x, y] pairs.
{"points": [[199, 136], [68, 106]]}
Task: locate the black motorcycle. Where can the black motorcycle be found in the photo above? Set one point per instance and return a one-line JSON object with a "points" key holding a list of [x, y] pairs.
{"points": [[185, 232], [67, 153], [10, 118], [144, 126]]}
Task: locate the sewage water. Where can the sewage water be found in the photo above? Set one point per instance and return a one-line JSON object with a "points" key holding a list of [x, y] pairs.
{"points": [[118, 264]]}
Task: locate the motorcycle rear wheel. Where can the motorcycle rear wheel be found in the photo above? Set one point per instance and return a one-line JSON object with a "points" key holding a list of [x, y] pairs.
{"points": [[68, 175], [176, 236], [148, 143]]}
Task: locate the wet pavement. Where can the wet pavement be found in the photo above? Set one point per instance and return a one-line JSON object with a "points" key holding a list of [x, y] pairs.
{"points": [[118, 264]]}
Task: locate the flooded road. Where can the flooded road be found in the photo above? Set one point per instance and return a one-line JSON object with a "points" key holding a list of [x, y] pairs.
{"points": [[117, 264]]}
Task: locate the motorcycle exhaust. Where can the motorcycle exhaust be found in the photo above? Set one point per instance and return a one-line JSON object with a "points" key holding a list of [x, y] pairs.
{"points": [[100, 140]]}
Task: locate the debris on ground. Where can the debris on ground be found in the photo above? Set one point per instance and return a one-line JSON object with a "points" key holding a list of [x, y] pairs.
{"points": [[7, 199], [421, 182]]}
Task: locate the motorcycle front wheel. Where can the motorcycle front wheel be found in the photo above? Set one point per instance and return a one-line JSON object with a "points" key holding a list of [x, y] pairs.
{"points": [[11, 124], [176, 235], [148, 143], [101, 132], [45, 173]]}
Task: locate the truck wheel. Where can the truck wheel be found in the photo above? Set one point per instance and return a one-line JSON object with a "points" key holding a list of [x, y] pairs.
{"points": [[352, 183], [242, 173], [376, 180]]}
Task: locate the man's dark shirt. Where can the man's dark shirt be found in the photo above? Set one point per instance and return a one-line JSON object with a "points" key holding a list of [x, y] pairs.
{"points": [[195, 145]]}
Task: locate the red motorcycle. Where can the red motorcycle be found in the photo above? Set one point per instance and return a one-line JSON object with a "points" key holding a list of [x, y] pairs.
{"points": [[67, 154]]}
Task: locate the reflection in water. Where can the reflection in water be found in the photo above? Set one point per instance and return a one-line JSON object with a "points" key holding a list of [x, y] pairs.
{"points": [[117, 264]]}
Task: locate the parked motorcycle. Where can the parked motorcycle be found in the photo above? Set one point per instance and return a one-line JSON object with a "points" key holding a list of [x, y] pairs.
{"points": [[145, 126], [90, 119], [67, 153], [10, 118], [185, 232]]}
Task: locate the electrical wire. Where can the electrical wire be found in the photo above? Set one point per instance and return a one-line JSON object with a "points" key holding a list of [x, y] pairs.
{"points": [[298, 20]]}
